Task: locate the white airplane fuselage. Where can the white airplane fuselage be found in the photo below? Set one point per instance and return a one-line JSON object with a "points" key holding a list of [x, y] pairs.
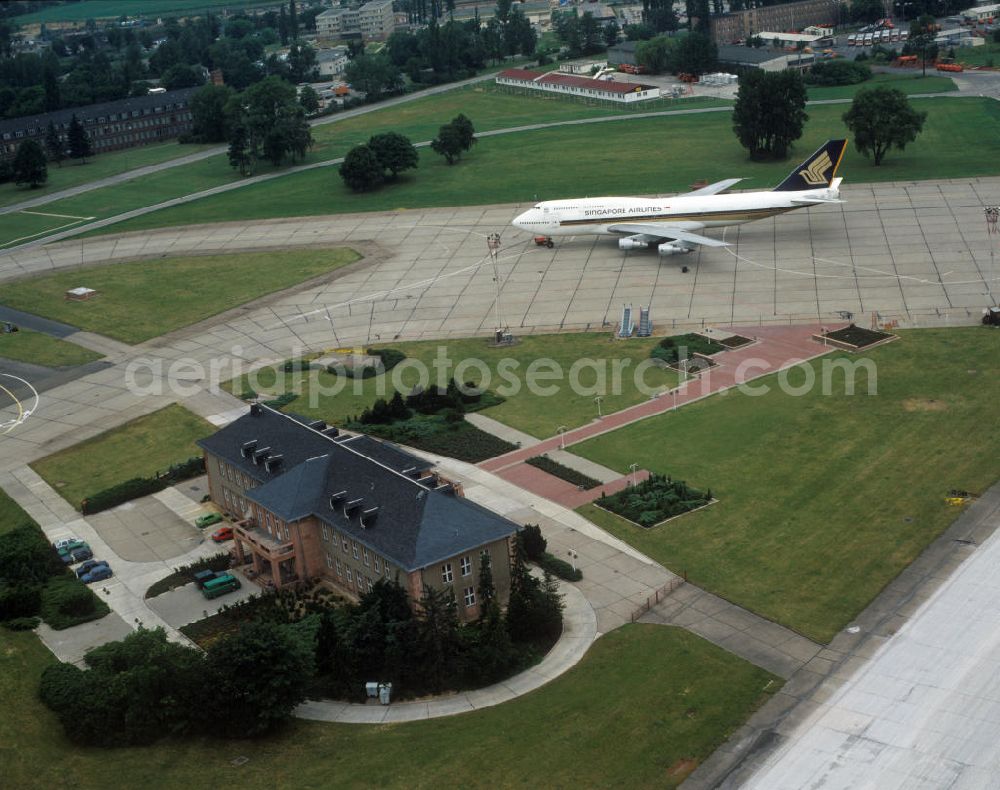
{"points": [[590, 216]]}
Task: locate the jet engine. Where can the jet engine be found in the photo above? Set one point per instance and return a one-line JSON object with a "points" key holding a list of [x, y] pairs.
{"points": [[672, 248], [632, 244]]}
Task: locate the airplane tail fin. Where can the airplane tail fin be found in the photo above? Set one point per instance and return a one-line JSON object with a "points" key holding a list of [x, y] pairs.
{"points": [[818, 171]]}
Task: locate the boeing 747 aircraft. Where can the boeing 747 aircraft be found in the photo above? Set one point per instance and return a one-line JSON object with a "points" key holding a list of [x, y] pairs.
{"points": [[672, 223]]}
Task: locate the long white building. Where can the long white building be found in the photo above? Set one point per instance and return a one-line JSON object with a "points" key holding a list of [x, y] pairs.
{"points": [[581, 87]]}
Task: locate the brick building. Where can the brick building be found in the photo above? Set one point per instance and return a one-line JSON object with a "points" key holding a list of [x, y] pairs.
{"points": [[114, 125], [740, 25], [375, 20], [346, 509]]}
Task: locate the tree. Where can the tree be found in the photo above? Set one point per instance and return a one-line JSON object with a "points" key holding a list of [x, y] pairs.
{"points": [[301, 62], [437, 635], [656, 55], [394, 153], [78, 140], [533, 542], [54, 145], [361, 169], [208, 113], [698, 14], [769, 112], [466, 131], [255, 678], [448, 143], [882, 118], [29, 165], [866, 10], [374, 75], [309, 100], [696, 54], [239, 150], [611, 33], [181, 76]]}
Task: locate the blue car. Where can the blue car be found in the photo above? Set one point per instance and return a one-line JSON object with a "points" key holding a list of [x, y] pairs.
{"points": [[97, 574], [88, 566]]}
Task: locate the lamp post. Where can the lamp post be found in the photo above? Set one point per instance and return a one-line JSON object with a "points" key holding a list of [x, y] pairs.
{"points": [[573, 557], [561, 430], [633, 467], [598, 400]]}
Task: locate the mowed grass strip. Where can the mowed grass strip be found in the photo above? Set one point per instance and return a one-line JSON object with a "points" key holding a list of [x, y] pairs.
{"points": [[139, 448], [143, 299], [39, 349], [642, 709], [11, 515], [567, 399], [824, 499], [907, 83], [640, 156]]}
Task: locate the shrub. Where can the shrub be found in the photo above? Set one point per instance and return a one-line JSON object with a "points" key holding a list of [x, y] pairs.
{"points": [[22, 624], [18, 601], [282, 400], [838, 72], [532, 541], [389, 358], [293, 365], [563, 472], [669, 349], [66, 601], [655, 500], [560, 568], [142, 486], [26, 558], [185, 574]]}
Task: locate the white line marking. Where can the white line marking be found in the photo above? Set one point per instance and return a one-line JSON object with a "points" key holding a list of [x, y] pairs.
{"points": [[60, 216]]}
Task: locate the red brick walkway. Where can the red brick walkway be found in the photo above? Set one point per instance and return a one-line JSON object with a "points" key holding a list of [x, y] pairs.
{"points": [[776, 348]]}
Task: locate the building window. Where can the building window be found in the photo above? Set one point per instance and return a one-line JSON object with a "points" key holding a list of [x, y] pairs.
{"points": [[350, 575], [287, 536], [329, 560], [470, 597], [367, 559], [225, 495], [340, 569], [370, 585], [446, 574], [345, 546], [354, 547], [388, 573], [326, 533], [466, 566], [378, 564]]}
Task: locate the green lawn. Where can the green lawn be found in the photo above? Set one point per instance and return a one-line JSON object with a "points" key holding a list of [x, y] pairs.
{"points": [[39, 349], [537, 413], [11, 514], [907, 83], [664, 698], [823, 499], [112, 9], [139, 448], [960, 139], [143, 299], [24, 226], [986, 55], [73, 173]]}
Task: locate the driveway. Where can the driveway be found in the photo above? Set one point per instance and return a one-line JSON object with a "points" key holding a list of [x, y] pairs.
{"points": [[146, 530], [186, 604]]}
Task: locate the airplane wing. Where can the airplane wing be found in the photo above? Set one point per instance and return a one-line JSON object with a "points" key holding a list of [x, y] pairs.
{"points": [[714, 189], [815, 201], [656, 232]]}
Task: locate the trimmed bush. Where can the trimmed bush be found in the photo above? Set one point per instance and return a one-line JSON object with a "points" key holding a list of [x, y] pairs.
{"points": [[20, 601], [142, 486], [389, 358], [669, 349], [563, 472], [282, 400], [837, 72], [655, 500], [185, 574], [22, 624], [66, 601]]}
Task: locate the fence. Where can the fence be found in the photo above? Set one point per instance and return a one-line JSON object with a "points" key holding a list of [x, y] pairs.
{"points": [[658, 596]]}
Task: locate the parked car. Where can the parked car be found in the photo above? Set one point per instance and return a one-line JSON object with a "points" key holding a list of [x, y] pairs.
{"points": [[222, 583], [88, 566], [61, 544], [69, 548], [207, 520], [97, 574], [222, 534], [79, 555]]}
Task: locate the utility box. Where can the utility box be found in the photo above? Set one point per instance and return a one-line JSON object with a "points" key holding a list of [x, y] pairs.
{"points": [[371, 689], [385, 693]]}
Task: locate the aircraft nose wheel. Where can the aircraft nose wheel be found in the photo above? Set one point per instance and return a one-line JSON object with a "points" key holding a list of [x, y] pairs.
{"points": [[684, 269]]}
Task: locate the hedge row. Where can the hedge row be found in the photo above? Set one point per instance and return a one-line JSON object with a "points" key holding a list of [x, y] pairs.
{"points": [[142, 486], [563, 472]]}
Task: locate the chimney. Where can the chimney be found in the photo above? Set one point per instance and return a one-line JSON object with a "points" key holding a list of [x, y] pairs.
{"points": [[261, 454], [274, 463], [368, 517], [318, 425], [336, 499], [248, 447]]}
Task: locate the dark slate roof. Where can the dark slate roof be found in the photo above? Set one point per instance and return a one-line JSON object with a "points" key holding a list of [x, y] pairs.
{"points": [[735, 54], [93, 111], [415, 524]]}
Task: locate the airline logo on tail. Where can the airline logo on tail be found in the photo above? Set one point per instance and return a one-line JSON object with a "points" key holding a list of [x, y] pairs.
{"points": [[815, 172]]}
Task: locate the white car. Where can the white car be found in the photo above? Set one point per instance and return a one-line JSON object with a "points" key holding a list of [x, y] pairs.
{"points": [[61, 544]]}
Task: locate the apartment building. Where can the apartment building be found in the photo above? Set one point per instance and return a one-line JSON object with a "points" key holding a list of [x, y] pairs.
{"points": [[313, 503], [114, 125], [740, 25], [374, 20]]}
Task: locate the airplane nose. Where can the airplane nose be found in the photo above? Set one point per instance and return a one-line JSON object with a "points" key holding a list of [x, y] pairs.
{"points": [[520, 220]]}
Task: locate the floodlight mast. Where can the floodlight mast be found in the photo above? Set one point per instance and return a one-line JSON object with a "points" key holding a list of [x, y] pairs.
{"points": [[992, 215], [493, 242]]}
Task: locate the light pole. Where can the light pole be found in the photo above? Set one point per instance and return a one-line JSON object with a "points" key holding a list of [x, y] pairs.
{"points": [[561, 430], [598, 400], [573, 557], [633, 467], [992, 216], [493, 242]]}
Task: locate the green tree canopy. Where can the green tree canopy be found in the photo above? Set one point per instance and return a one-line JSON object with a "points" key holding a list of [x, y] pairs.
{"points": [[30, 165], [696, 54], [882, 118], [374, 75], [361, 169], [309, 100], [208, 113], [78, 140], [394, 152], [448, 143], [770, 112]]}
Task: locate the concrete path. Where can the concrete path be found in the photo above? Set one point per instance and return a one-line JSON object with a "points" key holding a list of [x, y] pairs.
{"points": [[533, 479], [71, 644], [750, 636], [504, 431], [186, 604], [579, 632], [904, 698]]}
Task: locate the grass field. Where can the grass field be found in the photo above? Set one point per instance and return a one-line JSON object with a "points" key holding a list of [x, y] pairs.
{"points": [[39, 349], [23, 226], [663, 697], [73, 173], [538, 414], [960, 139], [907, 83], [986, 55], [145, 299], [823, 499], [112, 9], [139, 448], [11, 514]]}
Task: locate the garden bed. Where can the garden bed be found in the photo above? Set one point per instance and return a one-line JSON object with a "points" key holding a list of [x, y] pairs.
{"points": [[693, 365], [669, 349], [654, 501], [736, 341], [435, 434], [858, 337], [563, 472]]}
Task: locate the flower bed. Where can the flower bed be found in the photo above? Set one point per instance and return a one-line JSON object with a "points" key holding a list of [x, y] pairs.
{"points": [[655, 500], [858, 337]]}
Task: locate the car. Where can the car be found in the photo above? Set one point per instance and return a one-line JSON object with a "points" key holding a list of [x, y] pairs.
{"points": [[97, 574], [78, 555], [222, 534], [61, 544], [69, 548], [207, 520], [88, 566]]}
